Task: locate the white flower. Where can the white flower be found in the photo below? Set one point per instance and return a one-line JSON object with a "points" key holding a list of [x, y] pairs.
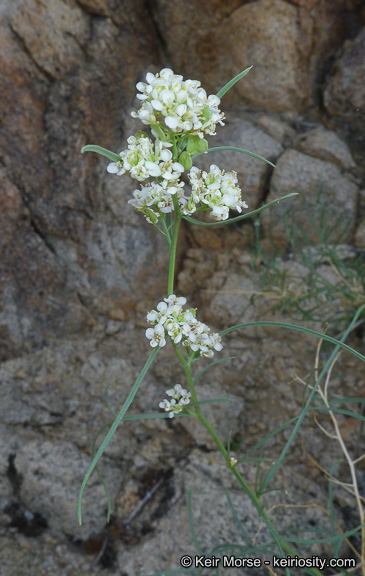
{"points": [[175, 301], [215, 189], [215, 340], [144, 159], [179, 398], [158, 197], [116, 168], [232, 462], [183, 106], [156, 335], [182, 327]]}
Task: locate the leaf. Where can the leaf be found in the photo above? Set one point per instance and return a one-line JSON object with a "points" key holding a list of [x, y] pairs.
{"points": [[101, 151], [196, 145], [114, 426], [185, 160], [339, 343], [151, 215], [211, 401], [232, 82], [210, 366], [242, 150], [159, 132], [233, 220]]}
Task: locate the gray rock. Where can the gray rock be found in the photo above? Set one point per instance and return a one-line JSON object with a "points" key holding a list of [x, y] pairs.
{"points": [[48, 470], [360, 235], [324, 195]]}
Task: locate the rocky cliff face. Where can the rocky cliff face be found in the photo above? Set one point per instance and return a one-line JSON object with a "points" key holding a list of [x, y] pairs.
{"points": [[79, 268]]}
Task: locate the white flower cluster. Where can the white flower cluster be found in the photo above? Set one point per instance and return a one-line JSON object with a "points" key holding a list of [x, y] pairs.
{"points": [[158, 196], [217, 189], [180, 398], [182, 105], [143, 160], [182, 327]]}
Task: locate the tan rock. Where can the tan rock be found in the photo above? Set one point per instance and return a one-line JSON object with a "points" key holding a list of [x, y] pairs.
{"points": [[22, 106], [54, 33], [344, 96], [326, 145], [264, 34], [99, 7], [277, 129]]}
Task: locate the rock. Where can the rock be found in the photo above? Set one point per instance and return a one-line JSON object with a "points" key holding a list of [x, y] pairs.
{"points": [[262, 34], [360, 235], [47, 470], [325, 207], [326, 145], [52, 192], [344, 95], [99, 7], [22, 141], [55, 34], [288, 43], [277, 129]]}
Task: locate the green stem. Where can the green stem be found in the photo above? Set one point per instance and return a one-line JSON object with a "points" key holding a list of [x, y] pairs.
{"points": [[166, 223], [282, 545], [173, 245]]}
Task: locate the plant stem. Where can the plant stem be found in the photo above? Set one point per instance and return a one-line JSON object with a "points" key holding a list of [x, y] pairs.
{"points": [[282, 544], [173, 245]]}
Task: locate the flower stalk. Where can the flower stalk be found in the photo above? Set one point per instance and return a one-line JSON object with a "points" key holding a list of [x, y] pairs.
{"points": [[179, 114]]}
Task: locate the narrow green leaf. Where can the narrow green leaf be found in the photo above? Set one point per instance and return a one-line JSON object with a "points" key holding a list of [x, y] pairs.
{"points": [[232, 82], [229, 445], [346, 400], [102, 480], [339, 411], [211, 366], [212, 401], [242, 150], [332, 539], [267, 437], [339, 343], [196, 145], [107, 401], [298, 329], [238, 218], [114, 426], [152, 416], [101, 151], [191, 524], [238, 521]]}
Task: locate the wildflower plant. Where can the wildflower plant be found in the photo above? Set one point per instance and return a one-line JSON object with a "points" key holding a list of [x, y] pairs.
{"points": [[178, 114]]}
